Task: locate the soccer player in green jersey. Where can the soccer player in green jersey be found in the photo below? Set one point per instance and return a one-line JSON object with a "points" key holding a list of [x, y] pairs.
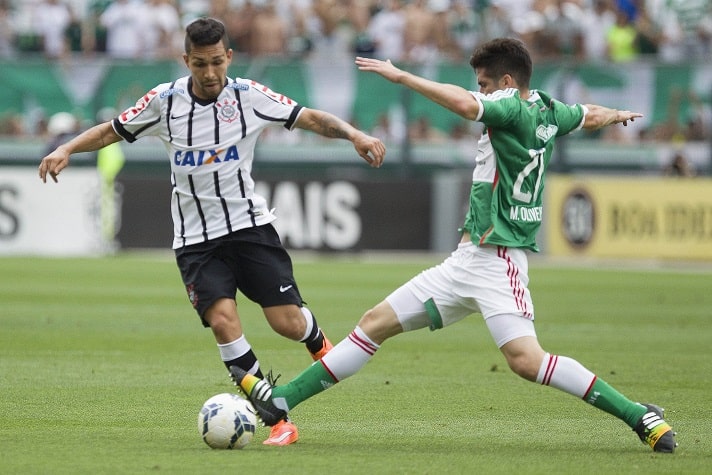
{"points": [[488, 272]]}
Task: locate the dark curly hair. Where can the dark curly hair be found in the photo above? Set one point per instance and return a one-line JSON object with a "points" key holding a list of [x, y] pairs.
{"points": [[502, 56], [205, 32]]}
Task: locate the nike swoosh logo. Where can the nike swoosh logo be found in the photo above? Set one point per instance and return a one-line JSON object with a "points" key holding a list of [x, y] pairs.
{"points": [[177, 117], [283, 289]]}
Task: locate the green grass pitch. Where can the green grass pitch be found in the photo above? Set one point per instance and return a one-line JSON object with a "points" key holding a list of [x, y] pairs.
{"points": [[104, 366]]}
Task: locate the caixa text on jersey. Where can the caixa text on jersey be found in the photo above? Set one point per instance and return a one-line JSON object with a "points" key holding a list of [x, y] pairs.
{"points": [[195, 158]]}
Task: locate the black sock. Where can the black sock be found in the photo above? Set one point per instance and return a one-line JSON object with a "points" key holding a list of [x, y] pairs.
{"points": [[247, 362]]}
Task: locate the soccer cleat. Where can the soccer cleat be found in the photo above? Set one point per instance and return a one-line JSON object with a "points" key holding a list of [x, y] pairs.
{"points": [[259, 392], [325, 348], [283, 432], [654, 431]]}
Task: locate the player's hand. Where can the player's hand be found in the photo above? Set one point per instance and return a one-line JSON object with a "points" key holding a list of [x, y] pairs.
{"points": [[624, 116], [52, 164], [370, 149], [384, 68]]}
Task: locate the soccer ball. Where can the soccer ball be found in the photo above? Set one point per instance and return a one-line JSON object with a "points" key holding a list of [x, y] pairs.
{"points": [[227, 421]]}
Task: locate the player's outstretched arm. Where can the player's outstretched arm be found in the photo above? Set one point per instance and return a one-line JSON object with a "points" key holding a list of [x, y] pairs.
{"points": [[599, 116], [371, 149], [90, 140], [450, 96]]}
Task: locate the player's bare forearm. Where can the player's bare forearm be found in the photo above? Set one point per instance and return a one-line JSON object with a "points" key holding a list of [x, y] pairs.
{"points": [[369, 148], [325, 124], [450, 96], [599, 116], [90, 140]]}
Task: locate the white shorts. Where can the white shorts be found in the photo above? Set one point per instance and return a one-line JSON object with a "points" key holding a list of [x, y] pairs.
{"points": [[488, 280]]}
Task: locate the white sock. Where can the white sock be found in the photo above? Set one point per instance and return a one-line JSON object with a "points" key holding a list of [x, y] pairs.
{"points": [[309, 319], [566, 374], [234, 349], [350, 355]]}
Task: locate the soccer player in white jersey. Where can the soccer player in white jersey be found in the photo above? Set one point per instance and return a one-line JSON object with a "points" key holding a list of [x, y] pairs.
{"points": [[488, 272], [223, 237]]}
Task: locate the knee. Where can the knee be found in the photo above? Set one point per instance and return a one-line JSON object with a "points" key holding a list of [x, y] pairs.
{"points": [[223, 322], [287, 321], [380, 323], [524, 357], [524, 365]]}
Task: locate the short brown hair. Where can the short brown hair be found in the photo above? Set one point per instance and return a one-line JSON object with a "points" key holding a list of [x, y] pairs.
{"points": [[205, 31], [502, 56]]}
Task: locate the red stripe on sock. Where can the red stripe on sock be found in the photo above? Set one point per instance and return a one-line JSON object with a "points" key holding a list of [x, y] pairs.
{"points": [[363, 344], [590, 386], [331, 373], [553, 359]]}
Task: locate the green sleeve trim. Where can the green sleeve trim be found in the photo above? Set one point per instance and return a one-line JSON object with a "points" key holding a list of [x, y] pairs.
{"points": [[436, 320]]}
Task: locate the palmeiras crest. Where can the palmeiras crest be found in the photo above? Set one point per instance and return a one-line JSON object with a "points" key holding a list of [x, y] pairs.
{"points": [[227, 110]]}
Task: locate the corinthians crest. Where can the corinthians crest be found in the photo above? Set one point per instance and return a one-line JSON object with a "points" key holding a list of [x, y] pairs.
{"points": [[227, 110]]}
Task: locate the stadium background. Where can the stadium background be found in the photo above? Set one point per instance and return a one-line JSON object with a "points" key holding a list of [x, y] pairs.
{"points": [[607, 196]]}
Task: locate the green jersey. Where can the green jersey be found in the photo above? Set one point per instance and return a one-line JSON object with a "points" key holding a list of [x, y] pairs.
{"points": [[512, 157]]}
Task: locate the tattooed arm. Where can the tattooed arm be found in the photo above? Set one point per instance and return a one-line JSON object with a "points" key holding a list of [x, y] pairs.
{"points": [[369, 148]]}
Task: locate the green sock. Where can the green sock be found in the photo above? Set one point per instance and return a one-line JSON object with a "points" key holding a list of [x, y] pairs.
{"points": [[606, 398], [311, 381]]}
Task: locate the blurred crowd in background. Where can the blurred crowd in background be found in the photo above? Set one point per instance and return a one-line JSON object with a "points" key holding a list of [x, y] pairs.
{"points": [[419, 32], [400, 30]]}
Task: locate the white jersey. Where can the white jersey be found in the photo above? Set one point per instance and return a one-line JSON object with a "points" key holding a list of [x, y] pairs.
{"points": [[211, 148]]}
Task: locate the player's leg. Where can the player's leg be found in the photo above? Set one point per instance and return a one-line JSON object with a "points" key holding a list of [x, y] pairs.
{"points": [[517, 340], [211, 289], [264, 273], [224, 322], [424, 301], [299, 324], [506, 304], [345, 359]]}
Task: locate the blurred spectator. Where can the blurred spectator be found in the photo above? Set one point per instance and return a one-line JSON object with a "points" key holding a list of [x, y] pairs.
{"points": [[161, 29], [565, 26], [495, 21], [269, 32], [649, 33], [230, 16], [679, 166], [446, 47], [686, 28], [621, 39], [241, 25], [387, 30], [191, 9], [331, 36], [11, 124], [122, 20], [530, 28], [422, 131], [465, 28], [629, 8], [687, 118], [93, 32], [390, 127], [419, 42], [359, 15], [51, 20], [61, 127], [552, 29], [597, 19], [7, 31]]}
